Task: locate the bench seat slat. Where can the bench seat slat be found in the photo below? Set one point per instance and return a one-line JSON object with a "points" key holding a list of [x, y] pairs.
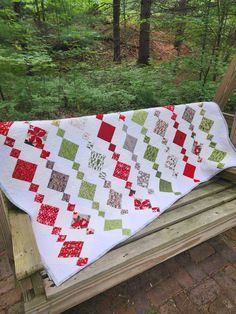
{"points": [[133, 258], [26, 255]]}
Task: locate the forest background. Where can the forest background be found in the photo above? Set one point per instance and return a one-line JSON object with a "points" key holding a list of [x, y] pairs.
{"points": [[64, 58]]}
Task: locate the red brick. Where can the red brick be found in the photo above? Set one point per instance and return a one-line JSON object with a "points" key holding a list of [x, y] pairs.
{"points": [[213, 264], [5, 268], [223, 249], [141, 302], [205, 292], [228, 285], [221, 305], [163, 291], [10, 298], [7, 284], [201, 252], [196, 272], [183, 278], [169, 308], [231, 272], [184, 304], [231, 234]]}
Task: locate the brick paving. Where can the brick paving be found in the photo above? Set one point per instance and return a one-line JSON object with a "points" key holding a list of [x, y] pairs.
{"points": [[200, 280]]}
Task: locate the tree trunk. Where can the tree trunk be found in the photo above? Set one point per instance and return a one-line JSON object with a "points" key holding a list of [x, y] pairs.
{"points": [[1, 94], [204, 38], [182, 8], [116, 30], [43, 10], [144, 36]]}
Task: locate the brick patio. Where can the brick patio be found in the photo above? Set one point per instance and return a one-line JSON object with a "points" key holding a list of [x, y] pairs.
{"points": [[201, 280]]}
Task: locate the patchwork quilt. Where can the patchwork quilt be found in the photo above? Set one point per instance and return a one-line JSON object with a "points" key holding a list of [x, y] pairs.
{"points": [[89, 183]]}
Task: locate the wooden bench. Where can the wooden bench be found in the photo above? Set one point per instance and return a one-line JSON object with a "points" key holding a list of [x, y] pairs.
{"points": [[208, 210]]}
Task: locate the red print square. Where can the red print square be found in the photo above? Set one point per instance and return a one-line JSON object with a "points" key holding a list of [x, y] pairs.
{"points": [[71, 249], [115, 156], [61, 238], [4, 127], [82, 261], [185, 158], [179, 138], [106, 131], [189, 170], [24, 170], [56, 230], [33, 187], [15, 153], [71, 207], [9, 141], [112, 147], [39, 198], [122, 171], [47, 215]]}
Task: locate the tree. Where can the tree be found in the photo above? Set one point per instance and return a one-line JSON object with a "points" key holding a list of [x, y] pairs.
{"points": [[116, 30], [182, 11], [144, 35]]}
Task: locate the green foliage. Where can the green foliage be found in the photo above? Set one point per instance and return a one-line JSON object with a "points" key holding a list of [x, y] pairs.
{"points": [[52, 63]]}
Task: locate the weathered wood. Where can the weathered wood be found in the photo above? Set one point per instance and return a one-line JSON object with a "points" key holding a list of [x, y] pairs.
{"points": [[26, 255], [133, 258], [227, 85], [229, 174], [5, 232], [229, 117], [184, 212], [233, 131]]}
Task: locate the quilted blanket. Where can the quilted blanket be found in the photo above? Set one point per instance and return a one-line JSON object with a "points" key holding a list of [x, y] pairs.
{"points": [[89, 183]]}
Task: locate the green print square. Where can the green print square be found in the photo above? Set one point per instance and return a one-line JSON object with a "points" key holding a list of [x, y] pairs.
{"points": [[113, 224], [206, 125], [101, 214], [76, 166], [146, 139], [144, 131], [87, 190], [60, 132], [68, 150], [80, 175], [140, 117], [95, 205], [165, 186], [151, 153], [217, 155], [126, 232]]}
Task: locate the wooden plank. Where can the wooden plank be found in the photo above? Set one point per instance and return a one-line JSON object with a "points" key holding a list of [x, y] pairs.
{"points": [[5, 232], [26, 255], [227, 85], [233, 131], [229, 174], [151, 242], [229, 118], [130, 260], [184, 212], [197, 194]]}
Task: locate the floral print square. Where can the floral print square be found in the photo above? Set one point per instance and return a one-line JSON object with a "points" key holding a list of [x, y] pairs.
{"points": [[171, 162], [114, 199], [58, 181], [80, 221], [96, 161], [160, 128], [36, 137], [143, 179], [188, 114]]}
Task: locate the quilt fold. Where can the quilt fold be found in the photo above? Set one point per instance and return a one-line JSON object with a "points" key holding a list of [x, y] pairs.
{"points": [[89, 183]]}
